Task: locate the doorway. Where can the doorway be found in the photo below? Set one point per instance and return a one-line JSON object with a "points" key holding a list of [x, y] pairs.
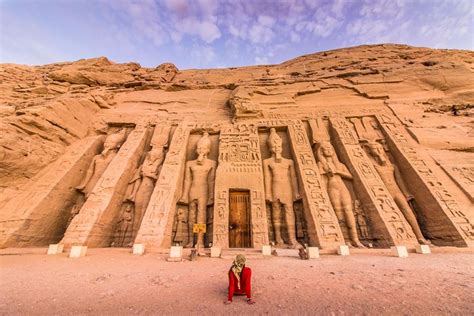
{"points": [[239, 219]]}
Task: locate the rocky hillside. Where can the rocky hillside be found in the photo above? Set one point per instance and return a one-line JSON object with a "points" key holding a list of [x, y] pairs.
{"points": [[44, 109]]}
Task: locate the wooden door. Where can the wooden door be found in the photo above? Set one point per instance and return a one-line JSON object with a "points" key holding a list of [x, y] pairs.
{"points": [[239, 219]]}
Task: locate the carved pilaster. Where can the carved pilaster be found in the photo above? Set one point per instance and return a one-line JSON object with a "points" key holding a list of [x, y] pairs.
{"points": [[240, 167], [94, 224], [388, 224], [323, 226], [156, 227], [446, 222]]}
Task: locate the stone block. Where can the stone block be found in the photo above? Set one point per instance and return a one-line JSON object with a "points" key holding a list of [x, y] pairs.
{"points": [[343, 250], [399, 251], [78, 251], [313, 252], [215, 252], [54, 249], [176, 252], [138, 249], [423, 249], [266, 250]]}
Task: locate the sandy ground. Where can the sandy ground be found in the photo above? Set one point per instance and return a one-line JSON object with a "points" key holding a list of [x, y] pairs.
{"points": [[112, 281]]}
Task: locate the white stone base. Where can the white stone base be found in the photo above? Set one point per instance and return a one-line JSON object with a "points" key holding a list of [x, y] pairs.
{"points": [[423, 249], [313, 252], [138, 249], [216, 252], [343, 250], [176, 252], [54, 249], [78, 251], [399, 251], [266, 250]]}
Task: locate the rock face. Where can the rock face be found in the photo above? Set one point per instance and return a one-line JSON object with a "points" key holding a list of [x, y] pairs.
{"points": [[370, 146]]}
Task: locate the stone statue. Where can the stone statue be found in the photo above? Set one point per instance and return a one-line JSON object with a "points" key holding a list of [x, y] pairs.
{"points": [[101, 161], [179, 227], [335, 171], [361, 220], [124, 225], [393, 181], [143, 183], [198, 190], [281, 190]]}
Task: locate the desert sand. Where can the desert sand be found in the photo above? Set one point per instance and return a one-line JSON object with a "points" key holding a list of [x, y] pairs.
{"points": [[113, 282]]}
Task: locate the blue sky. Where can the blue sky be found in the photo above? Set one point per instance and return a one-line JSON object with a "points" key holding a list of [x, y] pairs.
{"points": [[222, 33]]}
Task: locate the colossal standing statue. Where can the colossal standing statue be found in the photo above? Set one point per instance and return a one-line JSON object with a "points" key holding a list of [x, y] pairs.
{"points": [[100, 162], [281, 189], [393, 181], [341, 200], [143, 183], [198, 190], [97, 167]]}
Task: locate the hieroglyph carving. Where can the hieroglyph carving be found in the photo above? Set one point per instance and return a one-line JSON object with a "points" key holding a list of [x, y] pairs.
{"points": [[393, 180], [281, 190], [321, 219], [153, 229], [393, 226], [198, 190], [423, 169]]}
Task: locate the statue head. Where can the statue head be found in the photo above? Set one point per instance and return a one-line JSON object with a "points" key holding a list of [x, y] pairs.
{"points": [[377, 151], [326, 149], [113, 141], [203, 148], [274, 143]]}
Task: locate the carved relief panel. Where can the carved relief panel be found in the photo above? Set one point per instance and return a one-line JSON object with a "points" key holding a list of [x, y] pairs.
{"points": [[239, 169]]}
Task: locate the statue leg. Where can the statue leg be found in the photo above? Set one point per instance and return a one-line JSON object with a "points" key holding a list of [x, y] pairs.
{"points": [[142, 198], [347, 208], [276, 219], [351, 226], [191, 220], [410, 217], [291, 225], [201, 219]]}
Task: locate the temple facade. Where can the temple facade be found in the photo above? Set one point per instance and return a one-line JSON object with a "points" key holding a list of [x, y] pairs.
{"points": [[320, 179]]}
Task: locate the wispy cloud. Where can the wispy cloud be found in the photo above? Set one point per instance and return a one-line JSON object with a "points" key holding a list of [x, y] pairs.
{"points": [[205, 33]]}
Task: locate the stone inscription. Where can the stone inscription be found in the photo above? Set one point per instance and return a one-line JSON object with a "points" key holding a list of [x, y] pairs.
{"points": [[322, 216]]}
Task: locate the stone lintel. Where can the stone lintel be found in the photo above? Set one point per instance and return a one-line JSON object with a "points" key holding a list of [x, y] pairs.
{"points": [[446, 222], [323, 227], [387, 223], [94, 224], [155, 229], [36, 217]]}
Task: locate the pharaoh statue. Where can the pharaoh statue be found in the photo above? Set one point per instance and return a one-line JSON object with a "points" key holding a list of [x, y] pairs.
{"points": [[198, 190], [335, 171], [101, 161], [143, 182], [96, 169], [281, 190], [393, 181]]}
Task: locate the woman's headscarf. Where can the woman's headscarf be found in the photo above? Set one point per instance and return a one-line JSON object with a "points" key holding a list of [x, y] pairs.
{"points": [[237, 266]]}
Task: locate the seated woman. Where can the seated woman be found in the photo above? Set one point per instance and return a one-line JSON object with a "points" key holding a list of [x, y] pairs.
{"points": [[239, 280]]}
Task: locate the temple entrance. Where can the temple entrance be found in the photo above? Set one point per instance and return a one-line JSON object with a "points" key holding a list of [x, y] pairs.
{"points": [[239, 219]]}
